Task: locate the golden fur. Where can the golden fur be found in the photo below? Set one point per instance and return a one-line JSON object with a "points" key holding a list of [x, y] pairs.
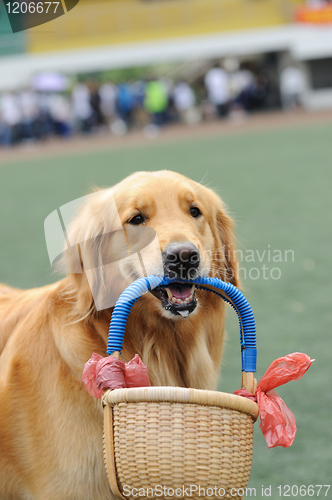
{"points": [[50, 427]]}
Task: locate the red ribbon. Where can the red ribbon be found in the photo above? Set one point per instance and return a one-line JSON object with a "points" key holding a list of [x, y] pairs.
{"points": [[278, 423]]}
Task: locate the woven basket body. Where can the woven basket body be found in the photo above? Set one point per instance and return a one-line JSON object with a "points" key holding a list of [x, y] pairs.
{"points": [[197, 443]]}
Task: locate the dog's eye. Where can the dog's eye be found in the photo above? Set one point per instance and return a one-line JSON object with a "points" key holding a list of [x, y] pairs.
{"points": [[195, 212], [137, 220]]}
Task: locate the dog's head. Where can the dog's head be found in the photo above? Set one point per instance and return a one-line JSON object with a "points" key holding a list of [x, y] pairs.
{"points": [[158, 223]]}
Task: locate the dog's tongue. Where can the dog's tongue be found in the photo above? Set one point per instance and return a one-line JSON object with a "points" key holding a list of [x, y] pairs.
{"points": [[180, 292]]}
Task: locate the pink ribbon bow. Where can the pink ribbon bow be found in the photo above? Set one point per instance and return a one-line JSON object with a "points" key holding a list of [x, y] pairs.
{"points": [[277, 421]]}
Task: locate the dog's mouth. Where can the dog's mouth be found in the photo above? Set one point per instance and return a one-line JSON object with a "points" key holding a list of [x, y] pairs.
{"points": [[177, 298]]}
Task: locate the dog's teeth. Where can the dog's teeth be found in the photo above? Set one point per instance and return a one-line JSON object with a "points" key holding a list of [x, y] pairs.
{"points": [[192, 290], [176, 300]]}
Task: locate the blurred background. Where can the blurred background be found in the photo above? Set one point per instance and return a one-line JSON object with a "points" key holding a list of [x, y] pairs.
{"points": [[236, 94], [111, 67]]}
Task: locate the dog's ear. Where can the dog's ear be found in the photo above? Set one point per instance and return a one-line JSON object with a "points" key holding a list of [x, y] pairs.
{"points": [[80, 259], [90, 241], [227, 262]]}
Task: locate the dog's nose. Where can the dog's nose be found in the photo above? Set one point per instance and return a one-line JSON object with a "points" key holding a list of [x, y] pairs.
{"points": [[181, 260]]}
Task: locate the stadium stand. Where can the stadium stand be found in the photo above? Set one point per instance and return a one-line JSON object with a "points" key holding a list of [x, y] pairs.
{"points": [[94, 23]]}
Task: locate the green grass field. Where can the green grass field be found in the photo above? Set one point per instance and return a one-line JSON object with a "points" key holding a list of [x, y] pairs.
{"points": [[277, 184]]}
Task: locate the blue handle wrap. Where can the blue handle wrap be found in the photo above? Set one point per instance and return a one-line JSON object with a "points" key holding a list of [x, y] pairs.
{"points": [[228, 292]]}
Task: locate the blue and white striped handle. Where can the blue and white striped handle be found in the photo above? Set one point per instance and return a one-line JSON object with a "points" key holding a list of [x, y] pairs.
{"points": [[228, 292]]}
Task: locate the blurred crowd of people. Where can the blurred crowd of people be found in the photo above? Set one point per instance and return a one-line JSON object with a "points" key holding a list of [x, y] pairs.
{"points": [[30, 115]]}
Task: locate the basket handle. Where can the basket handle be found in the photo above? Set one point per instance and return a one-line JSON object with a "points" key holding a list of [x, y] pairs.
{"points": [[228, 292]]}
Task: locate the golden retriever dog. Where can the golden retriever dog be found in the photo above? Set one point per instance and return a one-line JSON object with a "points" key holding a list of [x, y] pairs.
{"points": [[51, 429]]}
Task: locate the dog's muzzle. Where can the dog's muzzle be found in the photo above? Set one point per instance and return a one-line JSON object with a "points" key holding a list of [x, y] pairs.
{"points": [[181, 262]]}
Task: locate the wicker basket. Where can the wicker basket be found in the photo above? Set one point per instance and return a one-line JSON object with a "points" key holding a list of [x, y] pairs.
{"points": [[173, 442], [178, 438]]}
